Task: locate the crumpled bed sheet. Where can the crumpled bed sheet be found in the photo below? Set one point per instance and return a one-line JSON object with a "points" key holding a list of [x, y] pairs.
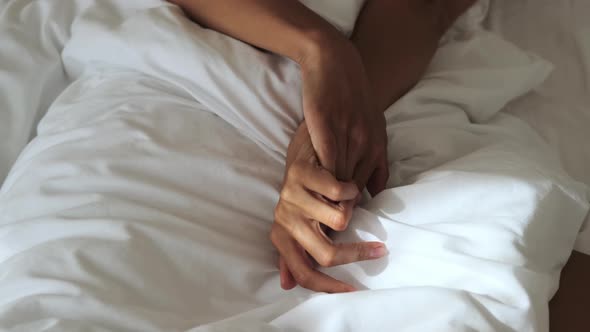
{"points": [[559, 110]]}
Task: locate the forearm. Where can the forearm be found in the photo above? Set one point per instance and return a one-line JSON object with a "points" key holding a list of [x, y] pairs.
{"points": [[397, 40], [284, 27]]}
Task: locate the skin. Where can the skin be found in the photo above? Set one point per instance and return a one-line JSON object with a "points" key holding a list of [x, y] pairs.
{"points": [[392, 69], [341, 116], [347, 84], [335, 87]]}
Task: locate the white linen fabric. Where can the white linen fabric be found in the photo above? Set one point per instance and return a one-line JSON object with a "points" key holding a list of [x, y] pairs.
{"points": [[33, 35], [145, 201], [341, 13], [559, 110]]}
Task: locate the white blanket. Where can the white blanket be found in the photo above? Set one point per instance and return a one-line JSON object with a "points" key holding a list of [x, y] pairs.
{"points": [[559, 110], [145, 201]]}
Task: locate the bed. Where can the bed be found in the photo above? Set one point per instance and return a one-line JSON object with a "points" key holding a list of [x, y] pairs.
{"points": [[147, 175], [559, 109]]}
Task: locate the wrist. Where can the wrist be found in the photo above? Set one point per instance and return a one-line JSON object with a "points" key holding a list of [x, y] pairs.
{"points": [[300, 144], [318, 46]]}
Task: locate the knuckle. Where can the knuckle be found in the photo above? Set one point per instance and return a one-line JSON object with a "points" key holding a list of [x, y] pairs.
{"points": [[287, 194], [303, 278], [327, 258], [336, 191], [338, 220], [280, 215], [295, 172], [362, 252]]}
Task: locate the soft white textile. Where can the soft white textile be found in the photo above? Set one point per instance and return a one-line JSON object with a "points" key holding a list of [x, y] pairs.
{"points": [[145, 202], [33, 34], [560, 109]]}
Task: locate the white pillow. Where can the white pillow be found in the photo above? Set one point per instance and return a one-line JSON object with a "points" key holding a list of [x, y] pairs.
{"points": [[343, 13]]}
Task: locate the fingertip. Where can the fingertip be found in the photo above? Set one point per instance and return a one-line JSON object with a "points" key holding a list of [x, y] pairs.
{"points": [[352, 190], [350, 289], [286, 278], [378, 182], [286, 285], [373, 190], [341, 287], [348, 206], [377, 250], [290, 282]]}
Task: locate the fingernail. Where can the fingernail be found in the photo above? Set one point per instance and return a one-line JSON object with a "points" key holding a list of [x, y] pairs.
{"points": [[350, 289], [378, 252]]}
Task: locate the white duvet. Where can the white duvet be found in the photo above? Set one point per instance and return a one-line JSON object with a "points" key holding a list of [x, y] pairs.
{"points": [[144, 203]]}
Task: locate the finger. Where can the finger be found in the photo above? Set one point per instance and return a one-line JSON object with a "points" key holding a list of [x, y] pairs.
{"points": [[309, 206], [305, 204], [321, 181], [378, 181], [305, 275], [310, 237], [356, 148], [279, 237], [352, 203], [287, 280], [363, 172], [324, 143], [341, 157]]}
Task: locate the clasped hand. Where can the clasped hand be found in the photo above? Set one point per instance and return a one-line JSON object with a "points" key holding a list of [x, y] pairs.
{"points": [[336, 152]]}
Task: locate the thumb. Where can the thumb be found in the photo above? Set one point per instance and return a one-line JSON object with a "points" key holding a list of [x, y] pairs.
{"points": [[378, 180], [324, 144], [360, 251]]}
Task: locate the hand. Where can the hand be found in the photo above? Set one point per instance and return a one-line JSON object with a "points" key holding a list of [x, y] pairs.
{"points": [[309, 201], [347, 130]]}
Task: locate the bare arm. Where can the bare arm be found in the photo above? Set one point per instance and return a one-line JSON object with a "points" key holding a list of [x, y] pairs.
{"points": [[394, 67], [284, 27], [341, 122], [397, 40], [345, 88], [336, 103]]}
